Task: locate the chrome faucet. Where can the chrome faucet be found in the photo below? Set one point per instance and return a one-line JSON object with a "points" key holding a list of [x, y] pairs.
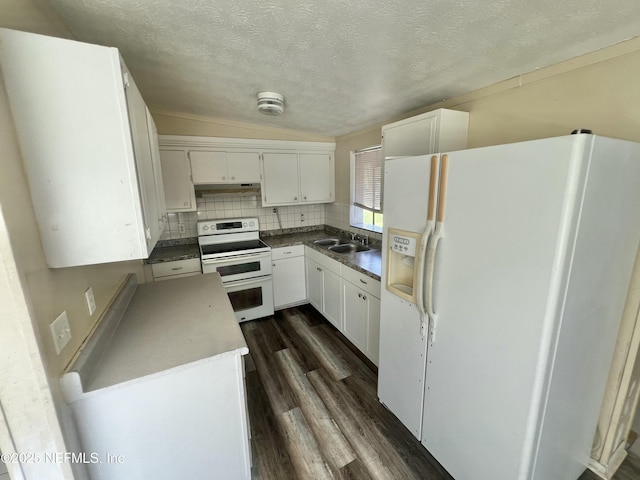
{"points": [[362, 240]]}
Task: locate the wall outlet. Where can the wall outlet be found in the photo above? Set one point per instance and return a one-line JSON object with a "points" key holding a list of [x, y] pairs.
{"points": [[182, 228], [91, 300], [60, 331]]}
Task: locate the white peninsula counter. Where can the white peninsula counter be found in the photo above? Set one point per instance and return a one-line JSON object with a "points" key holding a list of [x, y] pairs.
{"points": [[158, 391]]}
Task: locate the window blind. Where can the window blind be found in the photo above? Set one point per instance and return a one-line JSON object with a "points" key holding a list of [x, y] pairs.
{"points": [[368, 178]]}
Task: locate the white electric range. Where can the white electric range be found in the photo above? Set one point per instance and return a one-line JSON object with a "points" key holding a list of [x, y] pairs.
{"points": [[232, 247]]}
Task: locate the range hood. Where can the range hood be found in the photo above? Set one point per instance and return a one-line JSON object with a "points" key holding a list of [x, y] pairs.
{"points": [[248, 189]]}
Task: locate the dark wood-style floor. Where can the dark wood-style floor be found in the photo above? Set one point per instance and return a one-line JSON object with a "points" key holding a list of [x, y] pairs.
{"points": [[314, 411]]}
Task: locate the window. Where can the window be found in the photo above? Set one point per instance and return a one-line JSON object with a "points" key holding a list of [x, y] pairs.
{"points": [[366, 189]]}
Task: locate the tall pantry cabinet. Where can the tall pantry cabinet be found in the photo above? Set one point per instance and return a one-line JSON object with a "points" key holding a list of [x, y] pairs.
{"points": [[89, 146]]}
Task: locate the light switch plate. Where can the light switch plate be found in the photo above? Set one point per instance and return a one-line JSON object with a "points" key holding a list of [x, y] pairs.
{"points": [[60, 331], [91, 300]]}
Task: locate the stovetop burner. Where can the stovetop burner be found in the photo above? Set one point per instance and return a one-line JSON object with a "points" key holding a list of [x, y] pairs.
{"points": [[233, 247]]}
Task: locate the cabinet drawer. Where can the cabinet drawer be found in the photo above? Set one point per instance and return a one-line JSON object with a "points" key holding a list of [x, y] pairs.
{"points": [[366, 283], [325, 261], [287, 252], [179, 267]]}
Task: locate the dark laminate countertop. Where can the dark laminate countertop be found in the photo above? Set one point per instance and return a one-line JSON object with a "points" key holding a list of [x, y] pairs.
{"points": [[369, 263], [169, 253]]}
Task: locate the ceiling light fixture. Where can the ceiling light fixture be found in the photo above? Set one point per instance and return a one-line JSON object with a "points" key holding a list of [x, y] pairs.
{"points": [[270, 103]]}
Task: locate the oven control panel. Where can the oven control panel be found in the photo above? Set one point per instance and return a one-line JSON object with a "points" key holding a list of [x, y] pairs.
{"points": [[228, 225]]}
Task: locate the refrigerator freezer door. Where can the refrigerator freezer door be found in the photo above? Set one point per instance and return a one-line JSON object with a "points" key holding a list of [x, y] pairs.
{"points": [[493, 274], [402, 344]]}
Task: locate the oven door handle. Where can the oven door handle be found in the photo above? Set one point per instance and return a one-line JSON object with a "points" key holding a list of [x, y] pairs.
{"points": [[242, 283], [212, 261]]}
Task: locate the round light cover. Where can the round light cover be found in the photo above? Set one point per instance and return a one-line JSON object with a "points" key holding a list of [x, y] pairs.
{"points": [[270, 103]]}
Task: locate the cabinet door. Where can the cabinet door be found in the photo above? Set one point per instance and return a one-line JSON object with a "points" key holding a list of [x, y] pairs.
{"points": [[372, 308], [243, 167], [208, 167], [289, 285], [178, 187], [355, 327], [410, 138], [144, 161], [280, 179], [157, 172], [316, 177], [314, 284], [331, 301]]}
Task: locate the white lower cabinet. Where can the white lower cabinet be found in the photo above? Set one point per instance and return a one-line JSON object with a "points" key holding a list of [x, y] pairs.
{"points": [[361, 311], [289, 282], [349, 299], [323, 281]]}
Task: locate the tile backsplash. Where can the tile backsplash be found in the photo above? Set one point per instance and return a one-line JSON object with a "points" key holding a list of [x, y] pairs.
{"points": [[214, 206]]}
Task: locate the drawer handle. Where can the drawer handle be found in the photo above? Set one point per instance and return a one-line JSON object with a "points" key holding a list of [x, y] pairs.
{"points": [[177, 268], [287, 253], [363, 282]]}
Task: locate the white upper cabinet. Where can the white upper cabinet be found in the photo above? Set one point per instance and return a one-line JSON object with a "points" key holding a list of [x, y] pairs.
{"points": [[432, 132], [316, 177], [243, 167], [289, 172], [293, 178], [208, 167], [213, 167], [280, 184], [89, 149], [178, 187]]}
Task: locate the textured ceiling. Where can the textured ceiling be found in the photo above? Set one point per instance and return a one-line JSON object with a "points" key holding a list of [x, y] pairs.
{"points": [[341, 65]]}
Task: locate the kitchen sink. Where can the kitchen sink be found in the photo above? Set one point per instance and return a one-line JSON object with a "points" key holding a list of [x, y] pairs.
{"points": [[349, 248], [327, 242]]}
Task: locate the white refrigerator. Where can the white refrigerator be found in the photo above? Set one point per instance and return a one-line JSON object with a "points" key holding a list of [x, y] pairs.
{"points": [[505, 272]]}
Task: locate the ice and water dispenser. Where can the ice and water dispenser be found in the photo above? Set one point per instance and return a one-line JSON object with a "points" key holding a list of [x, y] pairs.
{"points": [[403, 263]]}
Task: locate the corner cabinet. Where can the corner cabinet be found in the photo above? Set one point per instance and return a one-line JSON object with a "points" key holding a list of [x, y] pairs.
{"points": [[291, 178], [441, 130], [89, 146]]}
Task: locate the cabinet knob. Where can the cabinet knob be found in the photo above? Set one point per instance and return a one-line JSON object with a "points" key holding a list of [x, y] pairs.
{"points": [[224, 178], [273, 264], [319, 269], [364, 297], [359, 295], [295, 198], [233, 178], [305, 198]]}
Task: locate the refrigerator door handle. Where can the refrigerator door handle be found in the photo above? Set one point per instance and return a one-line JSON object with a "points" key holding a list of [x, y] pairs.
{"points": [[431, 262], [433, 245], [421, 301], [424, 243]]}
